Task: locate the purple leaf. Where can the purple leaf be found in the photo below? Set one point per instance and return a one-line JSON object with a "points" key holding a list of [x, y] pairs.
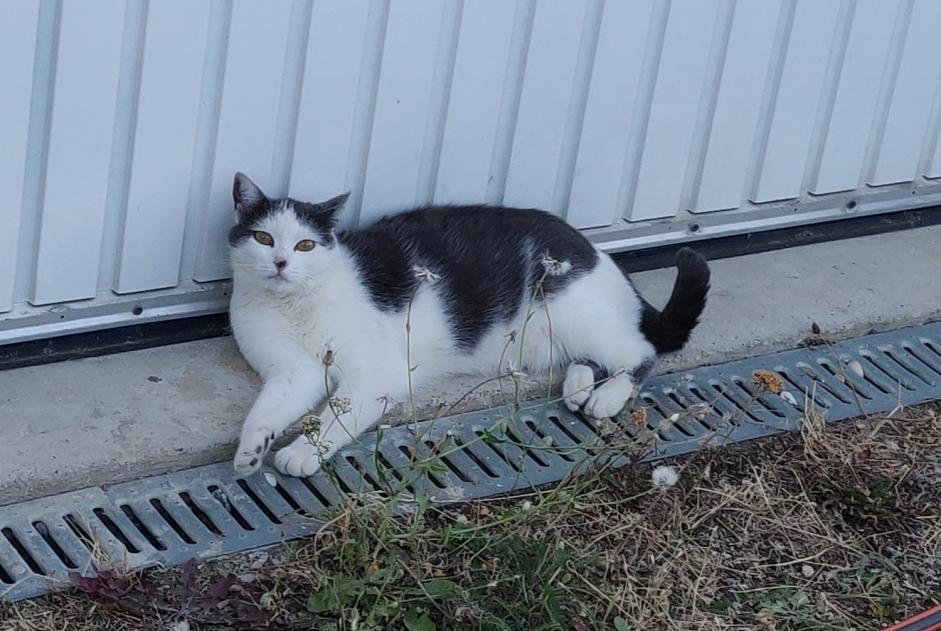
{"points": [[220, 589]]}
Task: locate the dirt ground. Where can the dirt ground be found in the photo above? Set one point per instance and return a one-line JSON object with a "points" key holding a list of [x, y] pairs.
{"points": [[834, 528]]}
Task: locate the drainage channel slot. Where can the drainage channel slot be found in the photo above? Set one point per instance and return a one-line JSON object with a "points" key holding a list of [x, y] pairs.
{"points": [[321, 497], [525, 446], [496, 445], [228, 506], [847, 378], [363, 474], [43, 531], [201, 515], [910, 369], [684, 405], [259, 503], [554, 439], [931, 346], [807, 388], [477, 460], [114, 530], [672, 405], [924, 358], [5, 576], [655, 422], [289, 499], [171, 521], [387, 469], [879, 377], [827, 382], [448, 461], [21, 550], [727, 413], [423, 464], [209, 510], [711, 418], [86, 539], [141, 527], [764, 406]]}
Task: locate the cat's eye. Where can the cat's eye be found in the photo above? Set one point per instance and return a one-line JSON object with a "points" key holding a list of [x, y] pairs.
{"points": [[264, 238], [304, 246]]}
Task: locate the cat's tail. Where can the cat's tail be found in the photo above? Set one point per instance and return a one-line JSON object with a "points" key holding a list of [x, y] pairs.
{"points": [[668, 330]]}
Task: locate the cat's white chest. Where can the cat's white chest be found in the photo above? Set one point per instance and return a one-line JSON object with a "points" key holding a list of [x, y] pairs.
{"points": [[310, 332]]}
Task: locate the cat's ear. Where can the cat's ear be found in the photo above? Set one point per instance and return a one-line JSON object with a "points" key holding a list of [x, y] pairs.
{"points": [[246, 195], [332, 207]]}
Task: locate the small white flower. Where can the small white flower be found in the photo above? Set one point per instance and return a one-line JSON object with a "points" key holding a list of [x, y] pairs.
{"points": [[856, 368], [310, 426], [787, 396], [526, 506], [548, 441], [340, 405], [425, 275], [554, 267], [664, 477]]}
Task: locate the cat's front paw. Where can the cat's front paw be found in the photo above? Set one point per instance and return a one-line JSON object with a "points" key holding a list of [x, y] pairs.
{"points": [[252, 448], [299, 459], [577, 387]]}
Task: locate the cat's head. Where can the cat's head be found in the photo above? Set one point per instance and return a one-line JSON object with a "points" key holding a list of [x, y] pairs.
{"points": [[282, 244]]}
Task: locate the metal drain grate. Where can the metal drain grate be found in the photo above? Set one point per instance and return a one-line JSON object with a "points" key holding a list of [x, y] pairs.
{"points": [[207, 511]]}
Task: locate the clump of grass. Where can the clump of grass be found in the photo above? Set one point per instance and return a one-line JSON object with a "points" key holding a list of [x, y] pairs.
{"points": [[835, 528]]}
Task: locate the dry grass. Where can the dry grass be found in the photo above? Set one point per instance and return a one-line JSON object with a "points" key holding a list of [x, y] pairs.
{"points": [[838, 528]]}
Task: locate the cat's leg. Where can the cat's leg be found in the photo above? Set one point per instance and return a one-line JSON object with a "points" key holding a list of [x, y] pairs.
{"points": [[284, 398], [344, 419]]}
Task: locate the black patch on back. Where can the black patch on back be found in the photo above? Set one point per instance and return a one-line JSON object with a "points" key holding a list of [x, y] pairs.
{"points": [[489, 259]]}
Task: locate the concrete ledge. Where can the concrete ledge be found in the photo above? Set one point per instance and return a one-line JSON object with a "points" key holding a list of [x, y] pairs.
{"points": [[107, 419]]}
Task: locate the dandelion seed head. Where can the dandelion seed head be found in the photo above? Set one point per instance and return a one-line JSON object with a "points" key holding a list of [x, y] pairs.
{"points": [[664, 477]]}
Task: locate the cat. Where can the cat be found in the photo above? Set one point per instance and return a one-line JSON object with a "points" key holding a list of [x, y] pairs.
{"points": [[359, 317]]}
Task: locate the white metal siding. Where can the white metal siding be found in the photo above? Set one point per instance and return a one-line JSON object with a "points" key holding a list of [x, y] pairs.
{"points": [[644, 122]]}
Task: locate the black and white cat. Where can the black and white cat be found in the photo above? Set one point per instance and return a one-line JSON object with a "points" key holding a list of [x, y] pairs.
{"points": [[320, 313]]}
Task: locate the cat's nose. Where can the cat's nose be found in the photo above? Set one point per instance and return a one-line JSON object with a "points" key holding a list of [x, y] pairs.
{"points": [[280, 263]]}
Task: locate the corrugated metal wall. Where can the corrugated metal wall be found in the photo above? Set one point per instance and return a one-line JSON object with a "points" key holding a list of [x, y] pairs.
{"points": [[644, 121]]}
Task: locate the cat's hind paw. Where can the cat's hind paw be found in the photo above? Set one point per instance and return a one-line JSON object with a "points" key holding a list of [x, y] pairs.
{"points": [[299, 459], [610, 397]]}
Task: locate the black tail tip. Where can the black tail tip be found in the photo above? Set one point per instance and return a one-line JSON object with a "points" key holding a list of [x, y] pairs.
{"points": [[688, 257], [692, 264]]}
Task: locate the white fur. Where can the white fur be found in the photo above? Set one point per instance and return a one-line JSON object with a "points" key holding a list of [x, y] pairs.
{"points": [[577, 387], [286, 327]]}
